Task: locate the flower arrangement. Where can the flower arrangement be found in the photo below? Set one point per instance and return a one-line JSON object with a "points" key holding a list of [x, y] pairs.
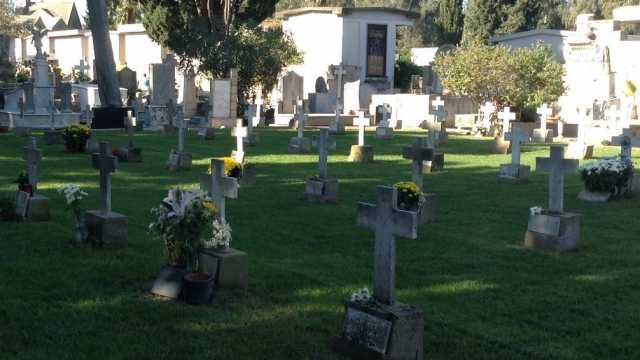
{"points": [[23, 73], [179, 222], [23, 182], [220, 235], [408, 195], [363, 295], [536, 210], [79, 77], [608, 175], [232, 168], [73, 196], [75, 138]]}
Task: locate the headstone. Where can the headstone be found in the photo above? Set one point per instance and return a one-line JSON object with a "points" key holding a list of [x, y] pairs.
{"points": [[337, 127], [515, 172], [106, 227], [65, 96], [321, 85], [300, 144], [240, 134], [133, 152], [82, 69], [361, 153], [418, 153], [440, 116], [128, 79], [351, 96], [162, 80], [500, 145], [543, 135], [38, 205], [486, 111], [384, 130], [322, 188], [627, 141], [292, 90], [180, 160], [554, 228], [219, 186], [383, 328], [579, 149]]}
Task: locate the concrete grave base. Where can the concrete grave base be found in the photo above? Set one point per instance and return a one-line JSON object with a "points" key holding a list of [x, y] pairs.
{"points": [[110, 229], [229, 266], [300, 145], [168, 283], [248, 177], [586, 195], [428, 208], [501, 146], [579, 151], [374, 331], [544, 137], [337, 128], [181, 161], [38, 208], [22, 131], [514, 174], [361, 154], [384, 133], [53, 137], [435, 165], [322, 190], [549, 231]]}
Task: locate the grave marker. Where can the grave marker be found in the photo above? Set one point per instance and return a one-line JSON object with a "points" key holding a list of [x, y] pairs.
{"points": [[361, 153], [219, 186], [418, 153], [322, 188], [543, 135], [514, 172]]}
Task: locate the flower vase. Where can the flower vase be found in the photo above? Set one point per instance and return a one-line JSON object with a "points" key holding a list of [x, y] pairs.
{"points": [[80, 232], [222, 249]]}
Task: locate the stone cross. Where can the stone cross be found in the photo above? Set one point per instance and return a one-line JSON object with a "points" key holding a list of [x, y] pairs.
{"points": [[438, 105], [81, 68], [339, 72], [507, 117], [107, 164], [221, 186], [627, 142], [361, 122], [32, 155], [324, 143], [180, 136], [544, 111], [557, 165], [516, 136], [387, 222], [301, 118], [241, 133], [418, 153], [130, 128]]}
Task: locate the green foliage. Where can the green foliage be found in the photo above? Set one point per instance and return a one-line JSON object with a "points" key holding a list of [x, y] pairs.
{"points": [[219, 43], [22, 179], [524, 78], [75, 137], [404, 69], [23, 73], [482, 19]]}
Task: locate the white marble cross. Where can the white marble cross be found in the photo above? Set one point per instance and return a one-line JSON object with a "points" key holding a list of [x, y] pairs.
{"points": [[301, 118], [516, 136], [361, 122], [418, 153], [557, 165], [180, 135], [241, 133], [339, 72], [438, 106], [627, 141], [106, 163], [507, 117], [32, 155], [220, 186], [81, 68], [544, 111], [387, 221], [324, 143]]}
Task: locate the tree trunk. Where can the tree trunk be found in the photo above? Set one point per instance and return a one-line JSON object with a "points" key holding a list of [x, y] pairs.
{"points": [[105, 66]]}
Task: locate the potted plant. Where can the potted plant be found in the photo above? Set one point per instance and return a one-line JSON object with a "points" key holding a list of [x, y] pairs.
{"points": [[23, 183], [180, 222], [75, 138], [631, 90], [245, 172], [606, 178], [409, 196], [73, 196]]}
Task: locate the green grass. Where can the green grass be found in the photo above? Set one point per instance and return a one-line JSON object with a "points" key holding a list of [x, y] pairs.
{"points": [[484, 296]]}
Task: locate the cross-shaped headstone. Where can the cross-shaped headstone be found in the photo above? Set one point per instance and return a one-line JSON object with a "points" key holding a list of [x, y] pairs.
{"points": [[438, 106], [324, 143], [32, 155], [221, 186], [516, 136], [107, 164], [627, 142], [81, 68], [180, 136], [301, 118], [418, 153], [361, 122], [130, 127], [339, 72], [241, 133], [544, 111], [506, 116], [557, 165], [387, 222]]}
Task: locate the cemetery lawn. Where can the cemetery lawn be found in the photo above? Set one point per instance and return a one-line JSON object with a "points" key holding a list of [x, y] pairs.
{"points": [[483, 294]]}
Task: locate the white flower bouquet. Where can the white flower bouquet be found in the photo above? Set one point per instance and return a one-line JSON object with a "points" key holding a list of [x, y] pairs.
{"points": [[362, 295], [220, 235], [608, 175], [74, 196]]}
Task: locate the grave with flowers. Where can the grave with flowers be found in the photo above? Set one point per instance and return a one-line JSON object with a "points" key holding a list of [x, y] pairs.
{"points": [[411, 195], [606, 179]]}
